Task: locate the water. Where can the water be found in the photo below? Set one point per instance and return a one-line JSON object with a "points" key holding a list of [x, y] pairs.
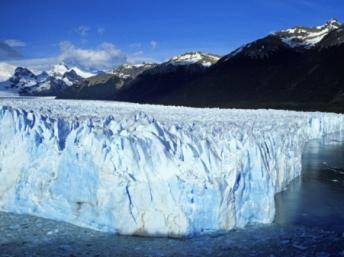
{"points": [[316, 198]]}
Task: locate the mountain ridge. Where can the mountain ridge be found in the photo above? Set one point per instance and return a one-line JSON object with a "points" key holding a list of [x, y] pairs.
{"points": [[267, 73], [129, 78], [47, 83]]}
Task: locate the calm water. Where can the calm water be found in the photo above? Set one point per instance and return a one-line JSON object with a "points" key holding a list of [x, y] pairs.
{"points": [[316, 199]]}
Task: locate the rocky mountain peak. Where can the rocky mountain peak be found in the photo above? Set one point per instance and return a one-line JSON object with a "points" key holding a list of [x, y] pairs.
{"points": [[333, 24], [23, 72], [59, 69]]}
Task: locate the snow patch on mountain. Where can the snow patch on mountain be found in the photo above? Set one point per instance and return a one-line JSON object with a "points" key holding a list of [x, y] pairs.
{"points": [[296, 37], [204, 59], [60, 69], [307, 36], [150, 170]]}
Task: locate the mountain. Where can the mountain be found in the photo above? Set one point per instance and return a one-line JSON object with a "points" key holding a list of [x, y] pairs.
{"points": [[60, 69], [104, 86], [166, 78], [299, 68], [50, 83], [140, 82]]}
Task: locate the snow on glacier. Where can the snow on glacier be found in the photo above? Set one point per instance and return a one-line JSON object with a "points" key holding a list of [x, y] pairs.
{"points": [[150, 170]]}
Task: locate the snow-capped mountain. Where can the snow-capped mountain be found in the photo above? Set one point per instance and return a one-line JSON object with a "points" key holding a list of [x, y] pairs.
{"points": [[139, 80], [307, 37], [297, 68], [298, 38], [130, 71], [197, 57], [25, 82], [60, 69]]}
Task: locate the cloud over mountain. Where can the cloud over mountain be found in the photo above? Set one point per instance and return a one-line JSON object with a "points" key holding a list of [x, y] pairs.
{"points": [[104, 57]]}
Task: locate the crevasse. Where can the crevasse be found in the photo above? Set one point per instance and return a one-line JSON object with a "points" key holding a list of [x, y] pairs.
{"points": [[150, 170]]}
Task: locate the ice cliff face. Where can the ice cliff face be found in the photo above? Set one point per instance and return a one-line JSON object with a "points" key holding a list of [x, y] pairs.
{"points": [[150, 170]]}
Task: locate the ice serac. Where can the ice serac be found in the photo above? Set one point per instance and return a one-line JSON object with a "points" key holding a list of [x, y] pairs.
{"points": [[150, 170]]}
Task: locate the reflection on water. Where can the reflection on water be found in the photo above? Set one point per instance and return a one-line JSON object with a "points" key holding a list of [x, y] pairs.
{"points": [[316, 198]]}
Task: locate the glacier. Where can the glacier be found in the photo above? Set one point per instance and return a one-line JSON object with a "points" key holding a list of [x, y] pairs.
{"points": [[150, 170]]}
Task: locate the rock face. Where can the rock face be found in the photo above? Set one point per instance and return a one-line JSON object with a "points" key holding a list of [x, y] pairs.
{"points": [[150, 170]]}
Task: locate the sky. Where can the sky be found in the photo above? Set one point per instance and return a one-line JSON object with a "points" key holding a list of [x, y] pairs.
{"points": [[101, 34]]}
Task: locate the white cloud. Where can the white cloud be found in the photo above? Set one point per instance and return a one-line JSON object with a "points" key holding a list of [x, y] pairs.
{"points": [[83, 30], [153, 44], [15, 42], [6, 71], [36, 64], [104, 57]]}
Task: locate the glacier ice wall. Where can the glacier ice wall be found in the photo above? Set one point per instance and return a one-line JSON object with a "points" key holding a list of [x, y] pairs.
{"points": [[150, 170]]}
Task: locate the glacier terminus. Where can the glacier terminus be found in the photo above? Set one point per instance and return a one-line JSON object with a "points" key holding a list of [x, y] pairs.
{"points": [[150, 170]]}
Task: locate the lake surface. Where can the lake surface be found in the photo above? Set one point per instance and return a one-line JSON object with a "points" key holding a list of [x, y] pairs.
{"points": [[316, 198]]}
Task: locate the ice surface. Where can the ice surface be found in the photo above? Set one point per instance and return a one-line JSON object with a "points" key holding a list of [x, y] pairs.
{"points": [[150, 170]]}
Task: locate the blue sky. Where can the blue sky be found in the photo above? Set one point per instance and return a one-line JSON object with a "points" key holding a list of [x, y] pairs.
{"points": [[119, 31]]}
